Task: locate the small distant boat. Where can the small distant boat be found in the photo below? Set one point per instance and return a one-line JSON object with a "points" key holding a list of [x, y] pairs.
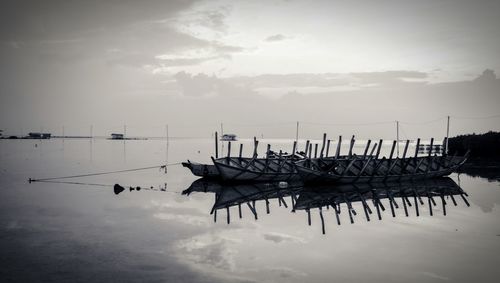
{"points": [[115, 136], [228, 137]]}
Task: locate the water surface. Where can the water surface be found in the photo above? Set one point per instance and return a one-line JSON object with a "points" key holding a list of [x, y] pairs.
{"points": [[59, 232]]}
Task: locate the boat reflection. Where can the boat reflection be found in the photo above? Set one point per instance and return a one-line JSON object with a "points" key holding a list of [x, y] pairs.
{"points": [[370, 197]]}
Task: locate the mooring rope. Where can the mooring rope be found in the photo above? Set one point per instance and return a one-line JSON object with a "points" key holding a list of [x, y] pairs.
{"points": [[103, 173]]}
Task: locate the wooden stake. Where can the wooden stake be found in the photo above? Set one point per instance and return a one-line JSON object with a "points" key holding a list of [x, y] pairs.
{"points": [[255, 145], [327, 148], [323, 146], [351, 146], [366, 148], [339, 143], [216, 146]]}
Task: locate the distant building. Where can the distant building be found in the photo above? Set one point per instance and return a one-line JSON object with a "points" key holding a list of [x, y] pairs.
{"points": [[39, 135], [116, 136], [228, 137]]}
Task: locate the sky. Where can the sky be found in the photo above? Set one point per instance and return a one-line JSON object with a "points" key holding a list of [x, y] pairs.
{"points": [[258, 67]]}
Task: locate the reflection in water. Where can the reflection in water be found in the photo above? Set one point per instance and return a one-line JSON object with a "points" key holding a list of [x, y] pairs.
{"points": [[487, 169], [307, 198]]}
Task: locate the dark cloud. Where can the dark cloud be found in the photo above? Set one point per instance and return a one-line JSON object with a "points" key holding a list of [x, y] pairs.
{"points": [[25, 20]]}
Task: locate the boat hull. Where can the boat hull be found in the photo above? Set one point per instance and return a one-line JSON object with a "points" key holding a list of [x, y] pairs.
{"points": [[202, 170], [256, 170], [373, 171]]}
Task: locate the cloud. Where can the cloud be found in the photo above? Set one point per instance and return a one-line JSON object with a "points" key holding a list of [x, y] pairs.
{"points": [[204, 85], [207, 250], [279, 238], [274, 38], [487, 76]]}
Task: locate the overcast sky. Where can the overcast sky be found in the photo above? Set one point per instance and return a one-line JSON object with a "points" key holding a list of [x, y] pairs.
{"points": [[257, 66]]}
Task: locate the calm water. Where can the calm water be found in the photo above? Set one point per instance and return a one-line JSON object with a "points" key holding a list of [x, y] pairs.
{"points": [[56, 232]]}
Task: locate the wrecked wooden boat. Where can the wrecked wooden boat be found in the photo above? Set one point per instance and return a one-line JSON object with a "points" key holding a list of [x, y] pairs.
{"points": [[274, 167], [370, 168]]}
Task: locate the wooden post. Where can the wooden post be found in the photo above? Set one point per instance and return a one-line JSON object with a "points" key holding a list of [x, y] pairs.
{"points": [[416, 203], [267, 156], [406, 148], [216, 146], [447, 134], [297, 133], [379, 148], [430, 204], [392, 150], [255, 145], [294, 148], [307, 148], [336, 213], [228, 150], [416, 148], [322, 220], [323, 146], [367, 148], [239, 210], [315, 150], [327, 148], [308, 216], [351, 146], [444, 204], [391, 204], [404, 203], [444, 148], [310, 151], [339, 143], [397, 138], [365, 206], [228, 216], [241, 150], [430, 147]]}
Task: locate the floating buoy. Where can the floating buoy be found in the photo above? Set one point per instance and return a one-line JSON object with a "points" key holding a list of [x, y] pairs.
{"points": [[118, 189]]}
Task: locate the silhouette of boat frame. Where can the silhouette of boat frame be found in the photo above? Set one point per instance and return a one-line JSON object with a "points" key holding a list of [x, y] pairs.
{"points": [[349, 168]]}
